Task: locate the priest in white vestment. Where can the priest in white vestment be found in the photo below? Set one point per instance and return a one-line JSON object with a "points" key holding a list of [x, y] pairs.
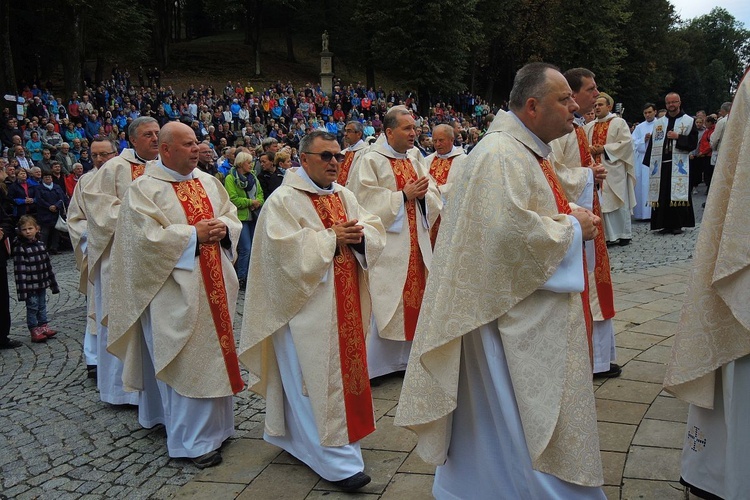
{"points": [[393, 183], [101, 151], [306, 353], [641, 136], [173, 297], [440, 163], [356, 147], [571, 152], [104, 194], [710, 363], [499, 385], [612, 146]]}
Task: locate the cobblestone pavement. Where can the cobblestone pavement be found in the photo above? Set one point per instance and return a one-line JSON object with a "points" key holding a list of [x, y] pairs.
{"points": [[59, 441]]}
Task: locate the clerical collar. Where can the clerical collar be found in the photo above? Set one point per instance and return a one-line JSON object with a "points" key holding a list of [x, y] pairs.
{"points": [[448, 154], [579, 120], [137, 157], [173, 173], [543, 146], [606, 118], [321, 191], [356, 145], [396, 154]]}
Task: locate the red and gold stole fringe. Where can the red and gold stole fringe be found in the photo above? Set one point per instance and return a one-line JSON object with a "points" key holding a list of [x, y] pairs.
{"points": [[197, 207], [602, 276], [564, 208], [439, 169], [136, 170], [360, 420], [416, 276], [344, 168], [599, 137]]}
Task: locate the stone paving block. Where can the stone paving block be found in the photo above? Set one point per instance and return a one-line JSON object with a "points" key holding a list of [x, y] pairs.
{"points": [[621, 412], [389, 388], [626, 277], [638, 315], [621, 326], [673, 317], [411, 486], [613, 464], [645, 296], [381, 466], [389, 437], [286, 458], [656, 354], [628, 390], [638, 489], [668, 342], [340, 495], [625, 354], [668, 408], [611, 492], [200, 490], [243, 460], [655, 327], [383, 407], [660, 433], [415, 465], [653, 463], [635, 340], [623, 305], [672, 288], [281, 481], [664, 305], [644, 371], [644, 283], [667, 279], [615, 437]]}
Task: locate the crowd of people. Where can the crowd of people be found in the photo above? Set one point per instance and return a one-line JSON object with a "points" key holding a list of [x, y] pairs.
{"points": [[465, 248]]}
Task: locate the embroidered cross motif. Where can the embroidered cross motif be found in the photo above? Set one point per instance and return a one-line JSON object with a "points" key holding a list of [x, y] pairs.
{"points": [[699, 440]]}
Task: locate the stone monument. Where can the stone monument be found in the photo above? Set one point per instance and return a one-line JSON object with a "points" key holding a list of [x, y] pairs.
{"points": [[326, 67]]}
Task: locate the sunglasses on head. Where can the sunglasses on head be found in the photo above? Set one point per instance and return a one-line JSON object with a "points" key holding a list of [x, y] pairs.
{"points": [[327, 156]]}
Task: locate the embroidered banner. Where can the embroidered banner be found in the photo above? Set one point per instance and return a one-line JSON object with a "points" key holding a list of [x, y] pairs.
{"points": [[602, 276], [136, 170], [344, 168], [198, 207], [564, 208], [439, 169], [360, 419], [416, 276]]}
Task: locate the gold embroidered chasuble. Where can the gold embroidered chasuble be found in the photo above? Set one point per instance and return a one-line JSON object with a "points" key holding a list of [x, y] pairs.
{"points": [[151, 236], [618, 189], [714, 326], [292, 258], [353, 155], [375, 186], [501, 239]]}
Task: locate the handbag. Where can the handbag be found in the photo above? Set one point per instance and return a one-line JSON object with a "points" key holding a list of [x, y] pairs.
{"points": [[62, 223]]}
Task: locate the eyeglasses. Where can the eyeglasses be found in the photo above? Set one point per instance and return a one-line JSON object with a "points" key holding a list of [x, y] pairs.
{"points": [[327, 156], [102, 155]]}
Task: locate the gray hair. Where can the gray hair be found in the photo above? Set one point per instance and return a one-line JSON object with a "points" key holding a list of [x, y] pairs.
{"points": [[390, 120], [306, 143], [136, 124], [443, 127], [268, 141], [531, 81], [111, 142], [727, 106], [358, 127]]}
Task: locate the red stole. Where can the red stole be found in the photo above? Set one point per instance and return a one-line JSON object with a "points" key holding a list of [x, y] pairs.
{"points": [[564, 208], [197, 207], [602, 275], [344, 168], [136, 170], [416, 276], [599, 137], [360, 419], [439, 169]]}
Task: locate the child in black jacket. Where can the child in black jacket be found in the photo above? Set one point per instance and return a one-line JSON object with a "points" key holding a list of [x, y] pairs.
{"points": [[34, 275]]}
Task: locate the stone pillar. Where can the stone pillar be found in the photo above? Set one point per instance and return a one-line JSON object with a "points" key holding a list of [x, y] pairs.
{"points": [[326, 72]]}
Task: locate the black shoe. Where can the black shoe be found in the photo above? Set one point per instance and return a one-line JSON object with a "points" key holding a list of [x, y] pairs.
{"points": [[10, 344], [91, 371], [243, 284], [355, 482], [614, 371], [677, 231], [624, 242], [613, 243], [665, 231], [210, 459]]}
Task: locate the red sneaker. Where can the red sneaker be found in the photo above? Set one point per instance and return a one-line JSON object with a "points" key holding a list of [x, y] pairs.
{"points": [[37, 334], [47, 331]]}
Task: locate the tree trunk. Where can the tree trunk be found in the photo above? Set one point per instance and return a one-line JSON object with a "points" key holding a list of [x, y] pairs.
{"points": [[370, 74], [99, 71], [72, 56], [257, 18], [289, 40], [161, 33], [8, 84]]}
